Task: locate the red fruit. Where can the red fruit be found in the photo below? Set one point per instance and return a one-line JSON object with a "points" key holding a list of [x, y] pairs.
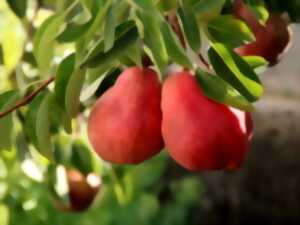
{"points": [[82, 190], [201, 134], [271, 39], [241, 10], [125, 124]]}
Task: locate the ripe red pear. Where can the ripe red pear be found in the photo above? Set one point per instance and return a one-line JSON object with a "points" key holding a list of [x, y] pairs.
{"points": [[271, 39], [124, 126], [201, 134]]}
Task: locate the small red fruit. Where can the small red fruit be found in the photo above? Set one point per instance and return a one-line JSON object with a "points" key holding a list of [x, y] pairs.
{"points": [[82, 189], [125, 124], [271, 39], [201, 134]]}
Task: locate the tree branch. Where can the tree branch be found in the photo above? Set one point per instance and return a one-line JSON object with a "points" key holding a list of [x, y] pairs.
{"points": [[173, 21], [27, 99], [205, 63]]}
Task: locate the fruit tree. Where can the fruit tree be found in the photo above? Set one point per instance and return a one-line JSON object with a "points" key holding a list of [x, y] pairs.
{"points": [[91, 91]]}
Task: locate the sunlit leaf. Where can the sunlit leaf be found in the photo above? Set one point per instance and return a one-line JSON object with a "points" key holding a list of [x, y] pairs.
{"points": [[220, 30], [90, 89], [233, 69], [257, 63], [11, 32], [217, 89], [44, 41]]}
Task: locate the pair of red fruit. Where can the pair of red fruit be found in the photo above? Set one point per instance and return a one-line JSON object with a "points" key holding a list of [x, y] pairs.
{"points": [[134, 119]]}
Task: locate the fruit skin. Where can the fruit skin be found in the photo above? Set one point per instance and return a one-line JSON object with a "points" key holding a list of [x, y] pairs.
{"points": [[201, 134], [271, 39], [82, 191], [124, 126]]}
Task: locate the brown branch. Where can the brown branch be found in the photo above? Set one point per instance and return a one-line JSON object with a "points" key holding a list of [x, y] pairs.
{"points": [[27, 99], [205, 63], [173, 21]]}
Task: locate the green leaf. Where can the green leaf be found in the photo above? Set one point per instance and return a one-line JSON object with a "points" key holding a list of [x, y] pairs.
{"points": [[4, 212], [173, 46], [208, 9], [221, 29], [7, 99], [59, 116], [217, 89], [44, 41], [72, 32], [91, 89], [134, 54], [233, 69], [11, 32], [109, 30], [99, 19], [86, 14], [120, 47], [98, 47], [81, 158], [30, 123], [21, 146], [94, 73], [146, 6], [167, 5], [63, 75], [18, 7], [148, 173], [73, 89], [257, 63], [43, 128], [37, 124], [155, 46], [189, 26]]}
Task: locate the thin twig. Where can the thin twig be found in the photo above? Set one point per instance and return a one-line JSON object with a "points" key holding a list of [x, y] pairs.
{"points": [[173, 21], [205, 63], [27, 99]]}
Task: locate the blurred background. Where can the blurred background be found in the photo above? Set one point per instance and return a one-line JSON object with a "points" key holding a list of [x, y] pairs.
{"points": [[265, 191]]}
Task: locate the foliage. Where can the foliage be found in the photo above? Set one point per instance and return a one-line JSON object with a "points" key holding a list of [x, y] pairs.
{"points": [[82, 46]]}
